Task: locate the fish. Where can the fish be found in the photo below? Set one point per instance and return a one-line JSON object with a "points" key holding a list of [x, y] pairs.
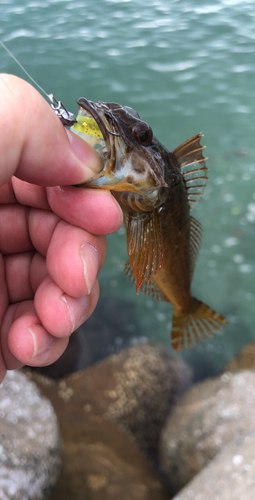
{"points": [[156, 189]]}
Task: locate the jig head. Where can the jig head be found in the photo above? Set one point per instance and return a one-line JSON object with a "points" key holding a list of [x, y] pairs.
{"points": [[66, 117]]}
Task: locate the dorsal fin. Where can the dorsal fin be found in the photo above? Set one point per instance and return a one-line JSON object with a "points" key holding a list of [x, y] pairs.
{"points": [[189, 156], [196, 232], [144, 245], [151, 289]]}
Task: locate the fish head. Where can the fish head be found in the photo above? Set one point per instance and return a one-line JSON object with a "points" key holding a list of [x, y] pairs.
{"points": [[134, 161]]}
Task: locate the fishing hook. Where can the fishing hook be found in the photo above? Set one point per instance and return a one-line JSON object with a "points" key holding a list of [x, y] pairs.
{"points": [[113, 133], [66, 117]]}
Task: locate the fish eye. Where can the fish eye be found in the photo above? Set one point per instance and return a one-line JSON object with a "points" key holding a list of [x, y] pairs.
{"points": [[143, 137], [143, 133]]}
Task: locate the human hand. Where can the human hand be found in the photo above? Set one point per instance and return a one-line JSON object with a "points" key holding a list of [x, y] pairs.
{"points": [[52, 239]]}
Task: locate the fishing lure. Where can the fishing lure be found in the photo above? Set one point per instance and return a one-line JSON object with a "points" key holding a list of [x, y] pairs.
{"points": [[84, 126]]}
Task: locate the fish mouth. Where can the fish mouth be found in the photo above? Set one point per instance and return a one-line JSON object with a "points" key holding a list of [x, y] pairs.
{"points": [[104, 119], [93, 110], [100, 112]]}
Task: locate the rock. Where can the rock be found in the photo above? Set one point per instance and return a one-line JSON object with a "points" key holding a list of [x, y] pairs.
{"points": [[132, 391], [101, 462], [229, 476], [245, 360], [135, 388], [30, 447], [145, 383], [210, 415]]}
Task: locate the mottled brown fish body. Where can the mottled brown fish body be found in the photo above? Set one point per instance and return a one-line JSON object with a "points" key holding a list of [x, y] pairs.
{"points": [[156, 190], [175, 227], [191, 317]]}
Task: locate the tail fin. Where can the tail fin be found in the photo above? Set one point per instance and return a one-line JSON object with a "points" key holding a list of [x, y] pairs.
{"points": [[196, 324]]}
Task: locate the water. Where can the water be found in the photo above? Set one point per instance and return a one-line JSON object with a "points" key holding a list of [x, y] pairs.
{"points": [[186, 67]]}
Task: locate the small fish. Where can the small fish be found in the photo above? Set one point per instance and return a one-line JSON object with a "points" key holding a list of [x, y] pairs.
{"points": [[156, 190]]}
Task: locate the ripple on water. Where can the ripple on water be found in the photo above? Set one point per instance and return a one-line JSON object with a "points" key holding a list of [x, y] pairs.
{"points": [[171, 67]]}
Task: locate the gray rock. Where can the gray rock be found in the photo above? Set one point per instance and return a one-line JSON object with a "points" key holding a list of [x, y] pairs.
{"points": [[229, 476], [210, 415], [148, 381], [30, 446], [135, 388]]}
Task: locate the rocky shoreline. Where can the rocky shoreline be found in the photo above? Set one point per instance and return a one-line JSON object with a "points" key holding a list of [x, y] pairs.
{"points": [[133, 427]]}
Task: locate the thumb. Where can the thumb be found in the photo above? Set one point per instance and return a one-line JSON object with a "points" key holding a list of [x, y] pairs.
{"points": [[34, 145]]}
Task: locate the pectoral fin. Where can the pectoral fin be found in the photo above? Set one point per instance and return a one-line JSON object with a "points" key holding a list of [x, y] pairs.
{"points": [[189, 156], [144, 245], [151, 289]]}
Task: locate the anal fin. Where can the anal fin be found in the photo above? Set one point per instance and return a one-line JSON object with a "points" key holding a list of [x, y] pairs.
{"points": [[196, 232]]}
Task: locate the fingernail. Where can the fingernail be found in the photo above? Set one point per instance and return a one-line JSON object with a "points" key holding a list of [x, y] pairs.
{"points": [[41, 342], [74, 308], [120, 211], [70, 312], [89, 157], [90, 260]]}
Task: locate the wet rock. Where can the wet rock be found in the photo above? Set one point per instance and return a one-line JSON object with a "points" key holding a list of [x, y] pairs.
{"points": [[210, 415], [245, 360], [144, 385], [101, 462], [229, 476], [30, 446], [135, 388]]}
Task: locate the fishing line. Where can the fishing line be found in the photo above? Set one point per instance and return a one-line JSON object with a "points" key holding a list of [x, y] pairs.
{"points": [[22, 67], [67, 118]]}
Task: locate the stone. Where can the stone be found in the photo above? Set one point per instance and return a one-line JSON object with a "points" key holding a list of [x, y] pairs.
{"points": [[136, 388], [101, 462], [104, 411], [30, 446], [245, 360], [229, 476], [146, 383], [210, 415]]}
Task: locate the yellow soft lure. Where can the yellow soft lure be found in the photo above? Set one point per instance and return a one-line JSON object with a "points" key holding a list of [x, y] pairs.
{"points": [[86, 125]]}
